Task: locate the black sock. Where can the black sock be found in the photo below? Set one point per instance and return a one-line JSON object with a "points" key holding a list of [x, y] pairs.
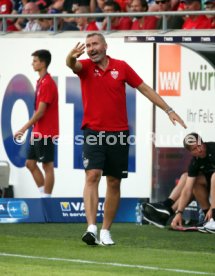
{"points": [[168, 203], [205, 211]]}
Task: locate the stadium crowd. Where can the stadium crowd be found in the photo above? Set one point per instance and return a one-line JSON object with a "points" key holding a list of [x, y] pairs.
{"points": [[108, 6]]}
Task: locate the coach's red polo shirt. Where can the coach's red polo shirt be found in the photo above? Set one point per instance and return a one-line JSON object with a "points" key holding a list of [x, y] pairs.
{"points": [[103, 94]]}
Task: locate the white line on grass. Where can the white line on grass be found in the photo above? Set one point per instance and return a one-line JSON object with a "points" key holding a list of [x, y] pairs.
{"points": [[104, 263]]}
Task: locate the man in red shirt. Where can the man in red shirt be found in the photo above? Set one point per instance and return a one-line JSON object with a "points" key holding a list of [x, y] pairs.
{"points": [[6, 7], [195, 21], [105, 125], [142, 22], [210, 6], [45, 124], [117, 23], [84, 23]]}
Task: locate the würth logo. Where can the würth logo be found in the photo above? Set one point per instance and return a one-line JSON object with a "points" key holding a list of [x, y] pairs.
{"points": [[169, 70]]}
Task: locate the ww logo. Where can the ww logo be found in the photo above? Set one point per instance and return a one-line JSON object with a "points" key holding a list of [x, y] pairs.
{"points": [[169, 70]]}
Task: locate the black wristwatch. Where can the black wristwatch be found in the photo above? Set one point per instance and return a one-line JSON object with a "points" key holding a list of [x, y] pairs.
{"points": [[178, 212]]}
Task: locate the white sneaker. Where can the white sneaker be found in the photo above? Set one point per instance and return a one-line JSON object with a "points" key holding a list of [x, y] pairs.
{"points": [[201, 228], [105, 237], [90, 236], [210, 226]]}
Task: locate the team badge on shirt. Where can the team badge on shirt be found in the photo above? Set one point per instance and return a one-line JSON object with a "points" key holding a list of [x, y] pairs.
{"points": [[114, 74], [3, 8]]}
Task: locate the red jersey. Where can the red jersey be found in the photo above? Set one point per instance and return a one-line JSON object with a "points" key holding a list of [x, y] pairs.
{"points": [[200, 22], [212, 21], [6, 6], [149, 23], [121, 23], [124, 23], [47, 92], [122, 4], [104, 94], [92, 26], [12, 28]]}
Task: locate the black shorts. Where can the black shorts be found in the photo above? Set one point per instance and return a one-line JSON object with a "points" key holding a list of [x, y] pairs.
{"points": [[208, 179], [41, 150], [107, 151]]}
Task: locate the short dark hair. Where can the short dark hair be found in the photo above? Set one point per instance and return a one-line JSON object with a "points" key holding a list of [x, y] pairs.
{"points": [[43, 55], [113, 4], [97, 34], [192, 139], [144, 4]]}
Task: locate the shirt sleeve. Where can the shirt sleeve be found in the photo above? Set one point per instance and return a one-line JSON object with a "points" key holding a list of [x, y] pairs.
{"points": [[46, 94], [85, 65], [132, 78], [193, 168]]}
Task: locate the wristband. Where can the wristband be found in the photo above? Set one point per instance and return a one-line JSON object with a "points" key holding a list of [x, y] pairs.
{"points": [[169, 110], [179, 212]]}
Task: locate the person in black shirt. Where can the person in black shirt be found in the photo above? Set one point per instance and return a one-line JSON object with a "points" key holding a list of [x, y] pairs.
{"points": [[202, 163], [173, 22], [199, 181]]}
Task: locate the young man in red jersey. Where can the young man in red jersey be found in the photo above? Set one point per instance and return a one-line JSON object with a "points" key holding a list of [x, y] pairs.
{"points": [[45, 124], [105, 126]]}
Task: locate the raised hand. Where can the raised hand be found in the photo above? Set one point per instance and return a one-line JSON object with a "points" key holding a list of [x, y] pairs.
{"points": [[78, 50]]}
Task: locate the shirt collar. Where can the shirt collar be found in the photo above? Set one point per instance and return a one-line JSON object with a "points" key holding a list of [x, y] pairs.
{"points": [[110, 65]]}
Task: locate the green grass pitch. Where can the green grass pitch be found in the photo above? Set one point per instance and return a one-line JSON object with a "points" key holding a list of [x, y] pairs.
{"points": [[57, 249]]}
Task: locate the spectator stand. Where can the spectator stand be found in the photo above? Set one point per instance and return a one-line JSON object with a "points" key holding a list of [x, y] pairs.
{"points": [[57, 17]]}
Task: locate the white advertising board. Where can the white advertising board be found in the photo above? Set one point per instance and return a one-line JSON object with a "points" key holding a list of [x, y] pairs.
{"points": [[16, 59], [186, 80]]}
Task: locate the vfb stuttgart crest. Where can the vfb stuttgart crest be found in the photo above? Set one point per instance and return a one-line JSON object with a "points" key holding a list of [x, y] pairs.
{"points": [[114, 74]]}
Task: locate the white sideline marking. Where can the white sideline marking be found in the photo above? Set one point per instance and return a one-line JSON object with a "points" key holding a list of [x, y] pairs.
{"points": [[103, 263]]}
